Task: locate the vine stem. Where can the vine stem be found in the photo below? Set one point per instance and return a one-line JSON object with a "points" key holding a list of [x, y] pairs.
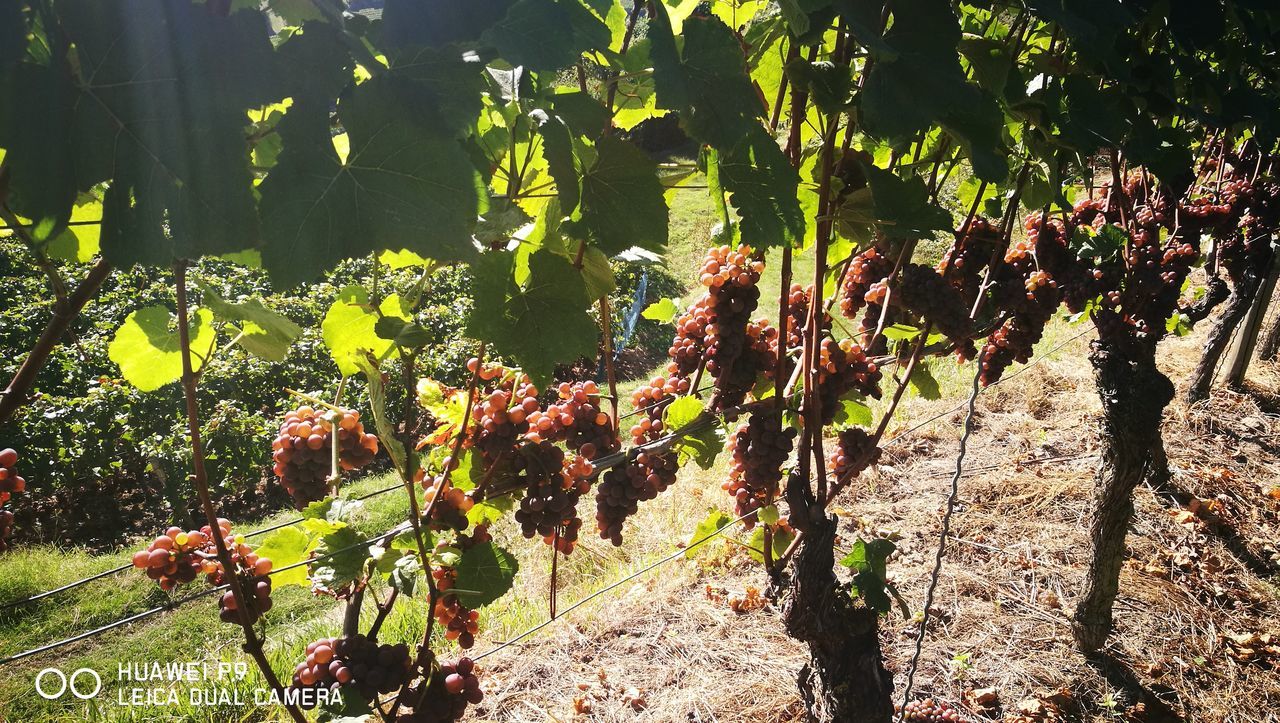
{"points": [[416, 522], [14, 396], [253, 645], [942, 539]]}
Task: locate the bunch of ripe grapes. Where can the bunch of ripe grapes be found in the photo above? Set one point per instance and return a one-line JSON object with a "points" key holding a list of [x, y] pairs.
{"points": [[255, 591], [10, 482], [760, 448], [930, 711], [451, 505], [356, 661], [688, 346], [577, 419], [924, 292], [648, 474], [303, 451], [446, 695], [553, 484], [6, 528], [866, 269], [844, 367], [855, 451], [504, 415], [758, 358], [176, 557], [962, 265], [460, 623], [1027, 296]]}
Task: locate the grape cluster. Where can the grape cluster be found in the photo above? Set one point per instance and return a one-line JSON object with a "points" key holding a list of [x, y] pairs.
{"points": [[855, 451], [760, 448], [930, 710], [553, 484], [356, 661], [503, 417], [866, 269], [645, 475], [6, 528], [10, 482], [176, 557], [460, 623], [688, 345], [1027, 296], [578, 420], [844, 367], [925, 293], [446, 696], [963, 263], [255, 591], [303, 451], [449, 511], [623, 488]]}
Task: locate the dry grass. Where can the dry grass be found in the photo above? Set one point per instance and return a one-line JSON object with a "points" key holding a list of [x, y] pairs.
{"points": [[1198, 582]]}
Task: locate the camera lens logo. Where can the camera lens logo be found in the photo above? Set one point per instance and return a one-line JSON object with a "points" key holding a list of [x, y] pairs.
{"points": [[52, 683]]}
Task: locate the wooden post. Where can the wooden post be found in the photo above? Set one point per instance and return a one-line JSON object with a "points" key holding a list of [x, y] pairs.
{"points": [[1252, 325]]}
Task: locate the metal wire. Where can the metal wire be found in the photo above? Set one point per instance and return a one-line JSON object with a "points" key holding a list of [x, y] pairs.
{"points": [[129, 566]]}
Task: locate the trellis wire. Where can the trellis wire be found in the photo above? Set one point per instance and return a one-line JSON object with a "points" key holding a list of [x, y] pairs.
{"points": [[942, 539]]}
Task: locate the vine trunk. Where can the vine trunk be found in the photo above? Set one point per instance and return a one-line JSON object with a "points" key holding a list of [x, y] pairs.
{"points": [[1233, 312], [845, 678], [1134, 394]]}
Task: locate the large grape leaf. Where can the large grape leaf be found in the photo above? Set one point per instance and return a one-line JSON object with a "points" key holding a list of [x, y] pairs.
{"points": [[160, 112], [315, 63], [920, 82], [485, 573], [762, 187], [261, 331], [446, 83], [547, 34], [557, 148], [285, 547], [439, 22], [42, 151], [349, 328], [540, 323], [622, 201], [148, 350], [406, 184], [340, 558]]}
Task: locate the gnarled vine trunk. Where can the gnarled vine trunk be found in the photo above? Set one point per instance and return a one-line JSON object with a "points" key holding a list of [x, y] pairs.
{"points": [[1233, 312], [1134, 394], [1269, 344], [845, 679]]}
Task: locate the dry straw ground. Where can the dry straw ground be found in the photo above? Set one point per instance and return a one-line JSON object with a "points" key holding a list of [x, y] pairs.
{"points": [[1198, 620]]}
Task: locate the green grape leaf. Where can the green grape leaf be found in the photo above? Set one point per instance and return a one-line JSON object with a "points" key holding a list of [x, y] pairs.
{"points": [[490, 511], [484, 574], [40, 163], [622, 199], [349, 328], [402, 570], [148, 351], [334, 510], [681, 412], [830, 85], [714, 520], [80, 241], [439, 22], [406, 184], [164, 122], [336, 565], [781, 541], [923, 383], [295, 12], [557, 147], [900, 208], [518, 319], [1098, 246], [584, 114], [402, 332], [663, 310], [263, 332], [286, 546], [852, 412], [402, 259], [547, 34], [597, 273], [315, 62], [869, 563], [1179, 325], [900, 332], [762, 187], [446, 83]]}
